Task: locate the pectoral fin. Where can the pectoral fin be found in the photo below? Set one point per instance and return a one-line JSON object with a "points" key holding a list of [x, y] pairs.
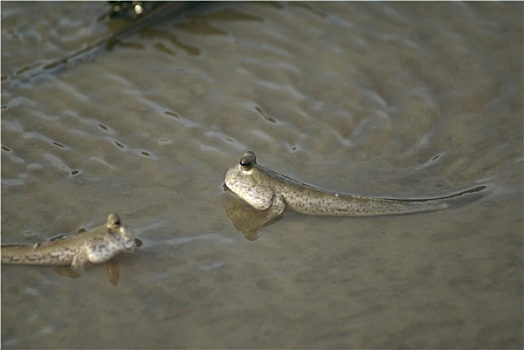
{"points": [[113, 272], [260, 198]]}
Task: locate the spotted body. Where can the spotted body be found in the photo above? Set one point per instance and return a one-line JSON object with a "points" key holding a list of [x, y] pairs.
{"points": [[265, 189], [94, 246]]}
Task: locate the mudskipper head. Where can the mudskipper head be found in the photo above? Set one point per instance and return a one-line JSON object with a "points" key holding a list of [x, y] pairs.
{"points": [[238, 177], [251, 182], [121, 233]]}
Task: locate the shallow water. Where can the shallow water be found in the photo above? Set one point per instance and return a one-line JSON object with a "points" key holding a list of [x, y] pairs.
{"points": [[395, 100]]}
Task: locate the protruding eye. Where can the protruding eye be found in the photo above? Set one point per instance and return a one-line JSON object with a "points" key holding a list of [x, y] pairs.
{"points": [[113, 221], [247, 160], [245, 163]]}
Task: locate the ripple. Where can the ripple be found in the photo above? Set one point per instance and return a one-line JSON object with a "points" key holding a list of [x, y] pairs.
{"points": [[57, 162], [11, 155], [385, 99]]}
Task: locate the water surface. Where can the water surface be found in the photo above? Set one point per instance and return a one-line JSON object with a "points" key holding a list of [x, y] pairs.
{"points": [[395, 100]]}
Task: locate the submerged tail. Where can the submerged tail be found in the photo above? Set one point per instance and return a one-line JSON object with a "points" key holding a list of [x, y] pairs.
{"points": [[392, 206], [349, 205], [436, 199]]}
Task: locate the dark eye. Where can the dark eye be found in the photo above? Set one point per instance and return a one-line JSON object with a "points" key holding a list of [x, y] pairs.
{"points": [[247, 161], [113, 219]]}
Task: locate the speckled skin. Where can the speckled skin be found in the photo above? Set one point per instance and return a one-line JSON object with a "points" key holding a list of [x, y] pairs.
{"points": [[95, 246], [265, 189]]}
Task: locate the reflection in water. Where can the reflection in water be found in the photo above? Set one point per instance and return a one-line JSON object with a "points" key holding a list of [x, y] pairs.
{"points": [[113, 272], [249, 220], [377, 98], [154, 14]]}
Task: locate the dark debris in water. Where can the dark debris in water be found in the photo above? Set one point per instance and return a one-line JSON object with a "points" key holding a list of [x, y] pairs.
{"points": [[131, 9], [142, 13]]}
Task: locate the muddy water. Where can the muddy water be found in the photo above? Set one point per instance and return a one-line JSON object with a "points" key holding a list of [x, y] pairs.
{"points": [[397, 100]]}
